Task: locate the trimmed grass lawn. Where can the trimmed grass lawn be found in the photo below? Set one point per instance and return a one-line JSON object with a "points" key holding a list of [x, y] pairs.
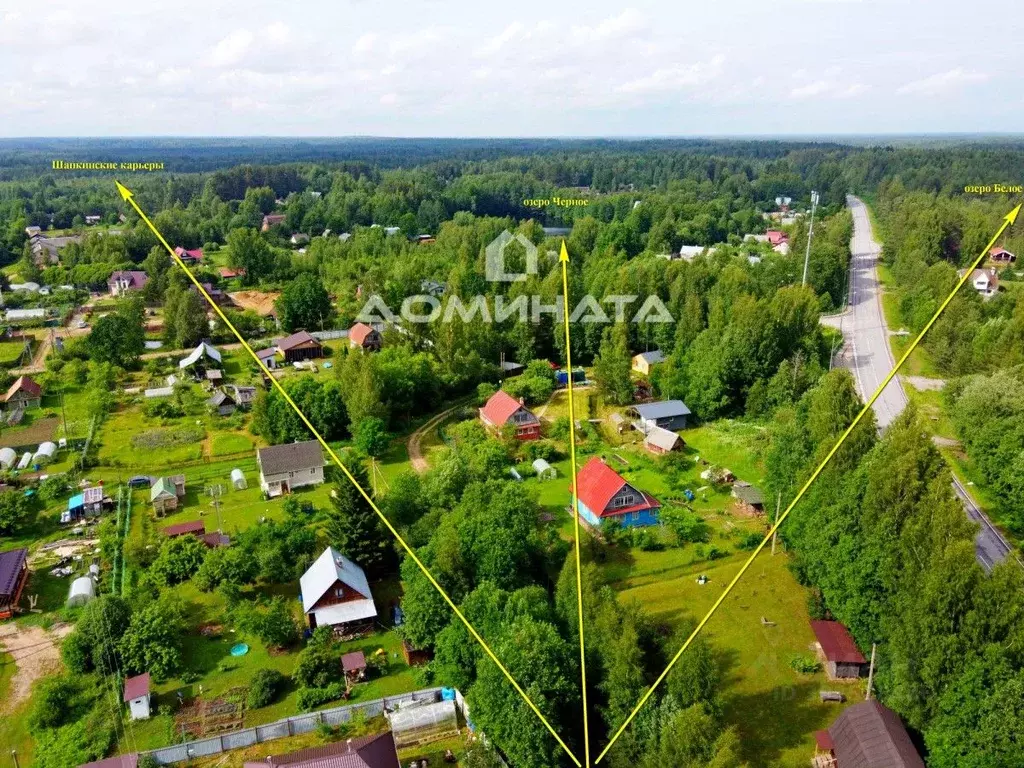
{"points": [[11, 353], [225, 443]]}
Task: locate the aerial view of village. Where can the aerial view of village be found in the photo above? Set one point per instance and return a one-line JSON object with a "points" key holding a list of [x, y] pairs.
{"points": [[703, 451]]}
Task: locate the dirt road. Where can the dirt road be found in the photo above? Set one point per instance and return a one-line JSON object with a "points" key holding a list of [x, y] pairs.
{"points": [[419, 463], [36, 653]]}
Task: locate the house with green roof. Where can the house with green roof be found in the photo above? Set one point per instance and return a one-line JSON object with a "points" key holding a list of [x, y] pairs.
{"points": [[165, 492]]}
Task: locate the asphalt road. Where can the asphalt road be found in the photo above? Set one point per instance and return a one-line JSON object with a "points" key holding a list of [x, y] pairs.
{"points": [[869, 358], [867, 353]]}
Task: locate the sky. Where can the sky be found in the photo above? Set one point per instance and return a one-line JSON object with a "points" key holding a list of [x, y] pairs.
{"points": [[529, 68]]}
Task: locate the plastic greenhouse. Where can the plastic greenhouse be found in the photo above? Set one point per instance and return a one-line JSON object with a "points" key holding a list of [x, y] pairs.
{"points": [[421, 723]]}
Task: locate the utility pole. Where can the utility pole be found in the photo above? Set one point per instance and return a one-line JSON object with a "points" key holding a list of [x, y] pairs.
{"points": [[810, 235], [871, 670], [14, 757], [778, 506]]}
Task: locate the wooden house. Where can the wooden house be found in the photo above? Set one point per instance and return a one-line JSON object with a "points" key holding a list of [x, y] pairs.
{"points": [[838, 651], [362, 336], [335, 593], [13, 575], [502, 409]]}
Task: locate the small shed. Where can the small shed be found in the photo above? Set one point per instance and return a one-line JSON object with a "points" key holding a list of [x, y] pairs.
{"points": [[162, 496], [838, 651], [83, 590], [415, 657], [619, 423], [238, 479], [354, 666], [544, 470], [136, 696], [659, 440], [419, 723], [8, 458], [748, 498], [44, 453]]}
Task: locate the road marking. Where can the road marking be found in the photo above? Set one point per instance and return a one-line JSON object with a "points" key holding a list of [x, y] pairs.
{"points": [[128, 197], [1008, 220]]}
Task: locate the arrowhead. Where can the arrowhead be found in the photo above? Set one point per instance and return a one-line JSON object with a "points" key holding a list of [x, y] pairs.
{"points": [[1012, 215], [125, 192], [564, 255]]}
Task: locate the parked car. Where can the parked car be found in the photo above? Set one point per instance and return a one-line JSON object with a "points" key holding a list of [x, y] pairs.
{"points": [[140, 481]]}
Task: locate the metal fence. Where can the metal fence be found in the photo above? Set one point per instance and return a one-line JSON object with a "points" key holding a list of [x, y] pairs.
{"points": [[290, 726], [328, 335]]}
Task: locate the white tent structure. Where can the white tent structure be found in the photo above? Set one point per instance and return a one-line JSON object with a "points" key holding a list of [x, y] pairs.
{"points": [[203, 350], [238, 479], [26, 459], [544, 470], [8, 458], [83, 590], [44, 453]]}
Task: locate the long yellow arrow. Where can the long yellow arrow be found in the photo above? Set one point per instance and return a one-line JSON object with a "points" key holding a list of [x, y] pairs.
{"points": [[564, 259], [128, 197], [1008, 220]]}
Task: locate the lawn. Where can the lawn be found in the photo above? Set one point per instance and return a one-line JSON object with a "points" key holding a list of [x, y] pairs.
{"points": [[11, 353], [226, 443]]}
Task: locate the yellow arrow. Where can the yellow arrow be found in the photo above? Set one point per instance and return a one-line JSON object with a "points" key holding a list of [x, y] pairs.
{"points": [[564, 259], [128, 197], [1008, 220]]}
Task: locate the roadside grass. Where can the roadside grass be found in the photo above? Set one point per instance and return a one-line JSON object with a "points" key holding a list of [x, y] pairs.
{"points": [[14, 735], [224, 443], [11, 353], [919, 363]]}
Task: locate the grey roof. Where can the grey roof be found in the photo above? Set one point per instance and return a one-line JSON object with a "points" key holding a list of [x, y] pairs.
{"points": [[748, 493], [662, 410], [221, 397], [290, 457], [869, 735], [662, 438], [330, 567], [652, 357]]}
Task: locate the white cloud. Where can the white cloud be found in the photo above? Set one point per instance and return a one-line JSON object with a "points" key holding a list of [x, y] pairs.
{"points": [[231, 49], [943, 82], [365, 43], [669, 79], [816, 88]]}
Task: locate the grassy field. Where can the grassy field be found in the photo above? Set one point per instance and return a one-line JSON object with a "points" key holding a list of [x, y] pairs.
{"points": [[11, 353]]}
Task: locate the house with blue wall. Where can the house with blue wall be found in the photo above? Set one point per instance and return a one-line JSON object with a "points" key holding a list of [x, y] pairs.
{"points": [[605, 495]]}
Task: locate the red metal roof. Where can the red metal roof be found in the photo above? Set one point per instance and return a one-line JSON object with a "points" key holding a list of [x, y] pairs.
{"points": [[118, 761], [195, 253], [500, 407], [836, 642], [998, 251], [178, 529], [136, 687], [228, 272], [359, 332], [297, 338], [598, 483], [776, 237], [24, 384]]}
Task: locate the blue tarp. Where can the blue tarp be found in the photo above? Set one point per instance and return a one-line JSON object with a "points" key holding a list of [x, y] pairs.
{"points": [[76, 501], [447, 694]]}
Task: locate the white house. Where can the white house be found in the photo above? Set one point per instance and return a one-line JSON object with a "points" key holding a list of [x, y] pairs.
{"points": [[335, 593], [136, 695], [293, 465]]}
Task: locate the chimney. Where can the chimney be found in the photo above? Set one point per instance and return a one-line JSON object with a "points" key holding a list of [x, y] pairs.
{"points": [[522, 401]]}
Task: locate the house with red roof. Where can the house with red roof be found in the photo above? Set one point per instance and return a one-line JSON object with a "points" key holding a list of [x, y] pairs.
{"points": [[193, 256], [776, 237], [24, 393], [229, 272], [605, 495], [362, 336], [301, 345], [838, 651], [502, 409], [1001, 255]]}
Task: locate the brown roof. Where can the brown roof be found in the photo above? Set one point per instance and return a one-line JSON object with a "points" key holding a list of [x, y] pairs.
{"points": [[296, 339], [216, 539], [869, 735], [354, 661], [24, 384], [179, 529], [365, 752], [136, 687], [836, 643], [290, 457]]}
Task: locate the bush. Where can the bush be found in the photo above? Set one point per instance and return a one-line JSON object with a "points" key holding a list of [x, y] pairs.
{"points": [[163, 409], [806, 665], [311, 698], [264, 687], [751, 540]]}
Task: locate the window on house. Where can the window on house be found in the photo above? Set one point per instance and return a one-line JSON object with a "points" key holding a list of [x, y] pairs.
{"points": [[636, 516], [312, 471]]}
